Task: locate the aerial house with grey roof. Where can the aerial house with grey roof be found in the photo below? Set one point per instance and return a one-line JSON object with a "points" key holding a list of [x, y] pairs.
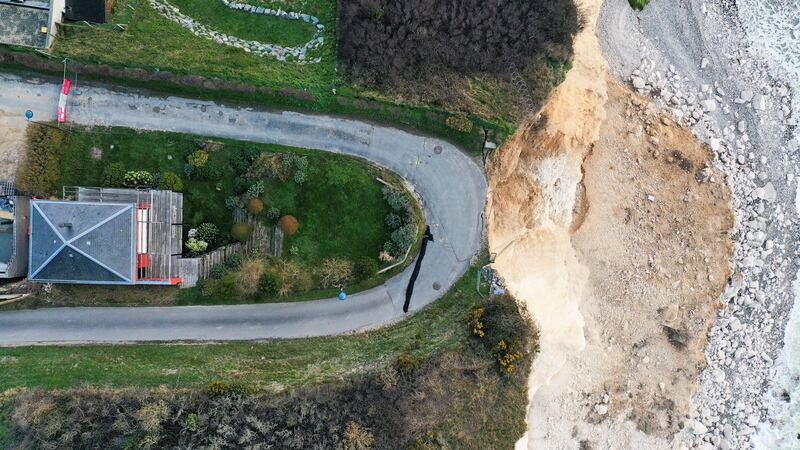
{"points": [[106, 236], [30, 23]]}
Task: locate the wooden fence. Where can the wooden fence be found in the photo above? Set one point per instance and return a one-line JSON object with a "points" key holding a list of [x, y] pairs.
{"points": [[266, 240]]}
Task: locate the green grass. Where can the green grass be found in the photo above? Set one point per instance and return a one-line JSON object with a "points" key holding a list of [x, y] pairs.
{"points": [[159, 55], [340, 207], [153, 42], [262, 366], [245, 25]]}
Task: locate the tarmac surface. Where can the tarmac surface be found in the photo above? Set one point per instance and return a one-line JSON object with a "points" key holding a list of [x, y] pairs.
{"points": [[451, 186]]}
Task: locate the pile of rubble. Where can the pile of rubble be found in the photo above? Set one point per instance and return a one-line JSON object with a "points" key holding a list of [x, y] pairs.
{"points": [[281, 53], [748, 333]]}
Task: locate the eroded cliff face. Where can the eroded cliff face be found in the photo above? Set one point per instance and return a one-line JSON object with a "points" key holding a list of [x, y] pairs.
{"points": [[533, 186], [607, 222]]}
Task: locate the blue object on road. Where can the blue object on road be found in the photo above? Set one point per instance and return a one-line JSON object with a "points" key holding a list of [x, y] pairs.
{"points": [[342, 295], [29, 114]]}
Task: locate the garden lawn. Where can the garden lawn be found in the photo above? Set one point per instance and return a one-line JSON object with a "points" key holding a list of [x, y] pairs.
{"points": [[153, 42], [246, 25], [340, 207]]}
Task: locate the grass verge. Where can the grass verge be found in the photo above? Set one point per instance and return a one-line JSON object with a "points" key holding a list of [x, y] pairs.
{"points": [[263, 366], [427, 382]]}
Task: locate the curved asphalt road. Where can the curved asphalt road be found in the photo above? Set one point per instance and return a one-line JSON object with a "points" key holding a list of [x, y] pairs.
{"points": [[451, 185]]}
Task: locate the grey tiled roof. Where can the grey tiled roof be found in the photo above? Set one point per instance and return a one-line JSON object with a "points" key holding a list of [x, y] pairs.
{"points": [[82, 242], [22, 25]]}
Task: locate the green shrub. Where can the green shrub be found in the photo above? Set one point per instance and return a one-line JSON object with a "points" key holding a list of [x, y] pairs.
{"points": [[396, 199], [207, 232], [501, 329], [255, 190], [365, 268], [293, 164], [270, 283], [114, 175], [138, 178], [272, 213], [218, 271], [241, 231], [191, 422], [226, 287], [234, 202], [459, 122], [638, 4], [40, 171], [255, 206], [376, 15], [198, 158], [233, 261], [170, 181], [196, 246], [404, 236], [393, 221]]}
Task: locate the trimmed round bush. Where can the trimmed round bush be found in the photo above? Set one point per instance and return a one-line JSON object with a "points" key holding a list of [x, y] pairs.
{"points": [[288, 224], [207, 232], [138, 178], [255, 206], [270, 283], [365, 268], [170, 181], [114, 175], [241, 231], [197, 159]]}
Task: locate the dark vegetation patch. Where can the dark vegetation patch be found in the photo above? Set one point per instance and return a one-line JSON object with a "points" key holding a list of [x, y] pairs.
{"points": [[454, 52], [453, 398]]}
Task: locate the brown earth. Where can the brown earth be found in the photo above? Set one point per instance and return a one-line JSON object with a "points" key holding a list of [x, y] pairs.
{"points": [[12, 141], [600, 226]]}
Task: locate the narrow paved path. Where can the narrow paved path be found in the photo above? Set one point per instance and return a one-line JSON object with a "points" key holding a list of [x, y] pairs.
{"points": [[452, 186]]}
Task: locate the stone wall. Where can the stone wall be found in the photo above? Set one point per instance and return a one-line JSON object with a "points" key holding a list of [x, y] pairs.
{"points": [[281, 53]]}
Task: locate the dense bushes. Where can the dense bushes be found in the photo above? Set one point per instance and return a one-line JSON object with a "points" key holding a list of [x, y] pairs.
{"points": [[288, 224], [241, 231], [170, 181], [450, 399], [138, 178], [283, 166], [40, 171], [270, 284], [418, 47], [501, 330], [114, 175], [365, 268], [401, 222]]}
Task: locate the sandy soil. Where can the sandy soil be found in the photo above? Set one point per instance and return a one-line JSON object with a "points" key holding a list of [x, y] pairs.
{"points": [[12, 137], [602, 229]]}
